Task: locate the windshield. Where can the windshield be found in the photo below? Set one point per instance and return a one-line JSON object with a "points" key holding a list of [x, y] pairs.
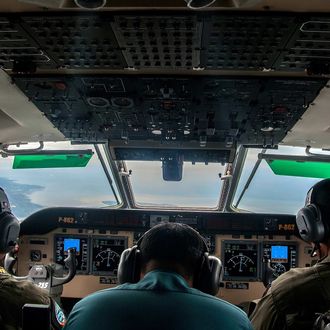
{"points": [[30, 190], [199, 188], [268, 192]]}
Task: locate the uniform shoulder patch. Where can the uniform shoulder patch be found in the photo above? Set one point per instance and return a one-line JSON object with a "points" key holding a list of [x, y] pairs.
{"points": [[59, 315]]}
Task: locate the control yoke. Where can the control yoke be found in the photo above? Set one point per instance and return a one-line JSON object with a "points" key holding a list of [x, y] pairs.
{"points": [[268, 273], [70, 263], [44, 276]]}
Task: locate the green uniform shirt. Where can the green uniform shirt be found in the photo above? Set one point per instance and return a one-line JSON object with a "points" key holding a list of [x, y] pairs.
{"points": [[294, 298], [13, 296], [161, 300]]}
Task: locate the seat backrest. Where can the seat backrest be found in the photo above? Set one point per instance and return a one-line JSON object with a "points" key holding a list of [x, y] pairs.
{"points": [[2, 324], [35, 316]]}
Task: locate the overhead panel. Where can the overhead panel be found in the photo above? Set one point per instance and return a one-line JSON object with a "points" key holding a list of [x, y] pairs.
{"points": [[308, 48], [76, 41], [166, 42], [175, 112], [244, 42], [178, 40], [16, 45]]}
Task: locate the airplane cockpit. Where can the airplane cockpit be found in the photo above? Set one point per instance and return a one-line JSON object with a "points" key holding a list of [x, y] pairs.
{"points": [[118, 115]]}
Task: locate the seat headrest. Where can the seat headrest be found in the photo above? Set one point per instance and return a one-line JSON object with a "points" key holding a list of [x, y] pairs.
{"points": [[9, 225], [4, 202]]}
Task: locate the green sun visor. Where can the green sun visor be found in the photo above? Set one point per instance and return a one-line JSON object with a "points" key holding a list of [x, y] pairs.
{"points": [[53, 159], [308, 169]]}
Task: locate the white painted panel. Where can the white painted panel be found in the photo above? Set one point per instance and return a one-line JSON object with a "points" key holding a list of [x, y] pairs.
{"points": [[20, 119], [314, 127]]}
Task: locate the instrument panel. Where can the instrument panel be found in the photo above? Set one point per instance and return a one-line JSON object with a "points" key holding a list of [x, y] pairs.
{"points": [[99, 250], [95, 255], [282, 256], [244, 260], [81, 244]]}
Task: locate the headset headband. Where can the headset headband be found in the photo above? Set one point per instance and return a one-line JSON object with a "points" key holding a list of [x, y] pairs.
{"points": [[308, 199], [206, 249]]}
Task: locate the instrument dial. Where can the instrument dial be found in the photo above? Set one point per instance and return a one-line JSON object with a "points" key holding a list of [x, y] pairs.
{"points": [[35, 255], [107, 259], [240, 263], [278, 269], [240, 260], [106, 254]]}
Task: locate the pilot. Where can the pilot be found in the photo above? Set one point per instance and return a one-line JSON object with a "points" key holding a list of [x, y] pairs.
{"points": [[13, 294], [297, 295], [163, 276]]}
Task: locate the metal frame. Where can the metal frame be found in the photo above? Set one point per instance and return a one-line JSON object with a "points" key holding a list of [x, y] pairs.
{"points": [[125, 197], [236, 174]]}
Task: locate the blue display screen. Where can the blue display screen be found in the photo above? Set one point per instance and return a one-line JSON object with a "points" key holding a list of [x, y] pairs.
{"points": [[279, 252], [72, 243]]}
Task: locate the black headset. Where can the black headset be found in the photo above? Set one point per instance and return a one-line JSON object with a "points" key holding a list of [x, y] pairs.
{"points": [[206, 279], [9, 225], [311, 223]]}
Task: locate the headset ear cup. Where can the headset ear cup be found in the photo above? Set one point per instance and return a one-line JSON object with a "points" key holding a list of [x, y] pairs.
{"points": [[209, 276], [310, 224], [129, 267], [9, 231], [303, 221], [320, 225]]}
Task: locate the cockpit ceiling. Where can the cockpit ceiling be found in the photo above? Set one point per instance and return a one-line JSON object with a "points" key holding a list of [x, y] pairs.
{"points": [[262, 5], [175, 79]]}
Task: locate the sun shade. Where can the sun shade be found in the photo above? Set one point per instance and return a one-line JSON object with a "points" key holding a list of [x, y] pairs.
{"points": [[308, 169], [51, 161]]}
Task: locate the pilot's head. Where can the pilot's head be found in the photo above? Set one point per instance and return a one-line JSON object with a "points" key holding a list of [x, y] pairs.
{"points": [[176, 248], [9, 225], [172, 246], [313, 220]]}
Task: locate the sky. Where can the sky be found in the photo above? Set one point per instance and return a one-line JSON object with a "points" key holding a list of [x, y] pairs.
{"points": [[199, 187], [273, 193], [33, 189]]}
